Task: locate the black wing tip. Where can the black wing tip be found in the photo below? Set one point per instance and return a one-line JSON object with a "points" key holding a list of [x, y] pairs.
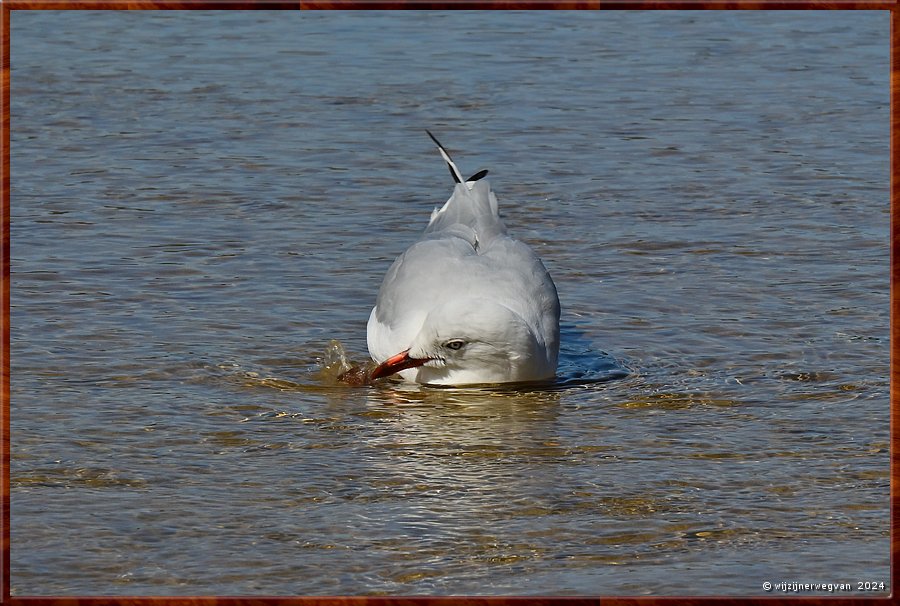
{"points": [[479, 175], [441, 147]]}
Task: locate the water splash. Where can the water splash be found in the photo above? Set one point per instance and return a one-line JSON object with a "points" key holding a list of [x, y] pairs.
{"points": [[336, 368]]}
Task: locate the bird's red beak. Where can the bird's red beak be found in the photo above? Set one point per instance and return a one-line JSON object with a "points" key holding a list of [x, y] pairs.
{"points": [[401, 361]]}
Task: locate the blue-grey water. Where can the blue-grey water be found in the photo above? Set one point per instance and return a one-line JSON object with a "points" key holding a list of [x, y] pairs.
{"points": [[203, 201]]}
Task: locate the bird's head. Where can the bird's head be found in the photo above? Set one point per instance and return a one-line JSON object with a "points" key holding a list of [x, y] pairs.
{"points": [[469, 341]]}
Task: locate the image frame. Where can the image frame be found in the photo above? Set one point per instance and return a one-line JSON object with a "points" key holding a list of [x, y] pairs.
{"points": [[7, 6]]}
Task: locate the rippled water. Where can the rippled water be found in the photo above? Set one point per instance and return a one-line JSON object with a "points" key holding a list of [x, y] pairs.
{"points": [[203, 202]]}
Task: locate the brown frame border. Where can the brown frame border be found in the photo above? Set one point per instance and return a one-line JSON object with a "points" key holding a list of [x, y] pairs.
{"points": [[6, 6]]}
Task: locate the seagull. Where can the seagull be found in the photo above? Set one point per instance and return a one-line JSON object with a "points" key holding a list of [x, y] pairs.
{"points": [[466, 304]]}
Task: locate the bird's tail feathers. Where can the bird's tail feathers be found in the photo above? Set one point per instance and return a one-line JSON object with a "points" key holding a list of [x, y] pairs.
{"points": [[472, 203], [476, 208]]}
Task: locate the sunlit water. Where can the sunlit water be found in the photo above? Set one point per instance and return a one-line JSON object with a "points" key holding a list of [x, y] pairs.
{"points": [[203, 202]]}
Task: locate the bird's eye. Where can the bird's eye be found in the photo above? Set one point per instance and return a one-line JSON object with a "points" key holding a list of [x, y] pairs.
{"points": [[455, 344]]}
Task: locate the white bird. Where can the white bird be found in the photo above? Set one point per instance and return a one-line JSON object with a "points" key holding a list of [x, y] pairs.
{"points": [[466, 304]]}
